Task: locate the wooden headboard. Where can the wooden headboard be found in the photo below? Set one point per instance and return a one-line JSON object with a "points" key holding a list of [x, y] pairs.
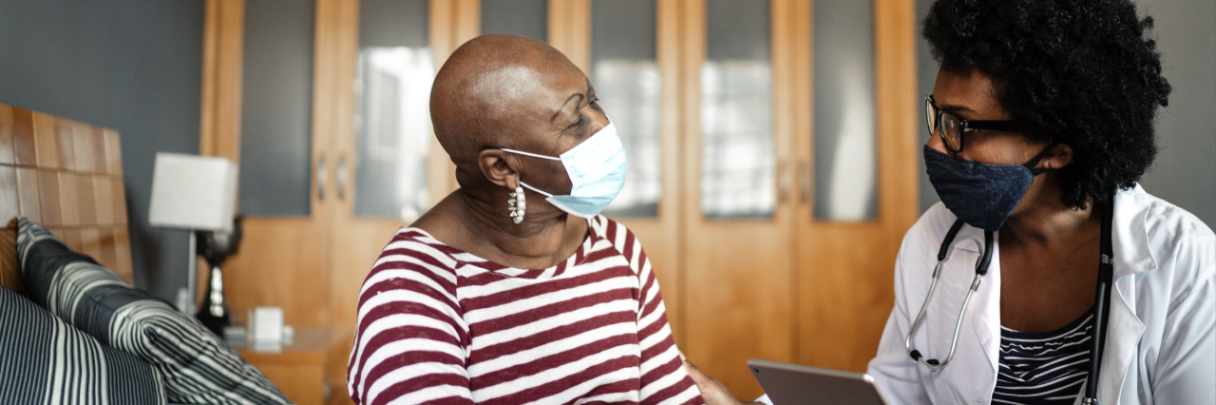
{"points": [[66, 175]]}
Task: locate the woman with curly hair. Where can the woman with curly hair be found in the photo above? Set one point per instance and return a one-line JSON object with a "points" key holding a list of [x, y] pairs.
{"points": [[1046, 268]]}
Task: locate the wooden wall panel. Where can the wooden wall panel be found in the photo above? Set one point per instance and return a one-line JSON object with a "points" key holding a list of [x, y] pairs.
{"points": [[9, 207], [122, 252], [24, 149], [46, 141], [85, 204], [28, 200], [69, 205], [48, 196], [103, 199], [70, 237], [87, 148], [65, 142], [119, 198], [66, 175], [6, 134], [90, 243], [113, 164]]}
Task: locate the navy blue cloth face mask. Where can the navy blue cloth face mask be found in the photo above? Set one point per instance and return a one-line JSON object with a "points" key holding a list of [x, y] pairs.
{"points": [[982, 195]]}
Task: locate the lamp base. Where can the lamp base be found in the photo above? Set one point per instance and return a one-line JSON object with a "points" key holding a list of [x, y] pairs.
{"points": [[214, 313], [184, 301]]}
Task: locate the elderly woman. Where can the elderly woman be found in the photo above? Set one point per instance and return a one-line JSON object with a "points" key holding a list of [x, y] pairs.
{"points": [[1062, 271], [513, 289]]}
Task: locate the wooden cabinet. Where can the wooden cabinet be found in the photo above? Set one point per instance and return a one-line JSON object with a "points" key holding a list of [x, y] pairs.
{"points": [[727, 163]]}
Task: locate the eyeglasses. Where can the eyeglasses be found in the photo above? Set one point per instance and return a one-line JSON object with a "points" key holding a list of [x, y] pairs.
{"points": [[953, 127]]}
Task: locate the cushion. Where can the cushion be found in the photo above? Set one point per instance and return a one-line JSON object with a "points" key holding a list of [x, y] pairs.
{"points": [[47, 361], [196, 365]]}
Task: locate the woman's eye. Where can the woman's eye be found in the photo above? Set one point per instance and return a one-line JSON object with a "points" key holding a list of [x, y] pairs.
{"points": [[594, 100], [577, 123]]}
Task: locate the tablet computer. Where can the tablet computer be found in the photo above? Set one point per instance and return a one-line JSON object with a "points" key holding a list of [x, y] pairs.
{"points": [[792, 384]]}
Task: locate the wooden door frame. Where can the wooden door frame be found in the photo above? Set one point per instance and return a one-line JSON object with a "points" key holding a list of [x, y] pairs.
{"points": [[842, 313]]}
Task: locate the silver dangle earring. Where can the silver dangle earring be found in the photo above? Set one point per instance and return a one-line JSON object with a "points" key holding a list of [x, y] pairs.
{"points": [[517, 204]]}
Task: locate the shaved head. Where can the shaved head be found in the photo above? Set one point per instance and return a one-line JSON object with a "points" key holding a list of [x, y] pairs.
{"points": [[500, 92], [494, 91]]}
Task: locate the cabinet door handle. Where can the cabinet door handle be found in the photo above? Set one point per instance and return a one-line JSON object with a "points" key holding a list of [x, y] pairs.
{"points": [[804, 177], [321, 178], [341, 177], [783, 182]]}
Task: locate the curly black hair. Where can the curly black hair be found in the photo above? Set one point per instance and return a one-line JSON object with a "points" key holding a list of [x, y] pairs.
{"points": [[1081, 72]]}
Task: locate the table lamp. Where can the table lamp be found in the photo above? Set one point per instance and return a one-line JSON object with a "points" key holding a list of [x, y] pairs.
{"points": [[193, 193]]}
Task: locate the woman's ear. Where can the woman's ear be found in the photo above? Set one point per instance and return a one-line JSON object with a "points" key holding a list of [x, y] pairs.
{"points": [[1058, 157], [499, 167]]}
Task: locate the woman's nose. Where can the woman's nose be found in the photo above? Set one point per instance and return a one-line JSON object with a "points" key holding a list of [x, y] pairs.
{"points": [[936, 143], [599, 120]]}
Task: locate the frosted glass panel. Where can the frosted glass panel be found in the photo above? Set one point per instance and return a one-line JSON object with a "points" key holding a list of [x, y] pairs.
{"points": [[737, 161], [844, 142], [625, 73], [276, 108], [529, 18], [393, 125]]}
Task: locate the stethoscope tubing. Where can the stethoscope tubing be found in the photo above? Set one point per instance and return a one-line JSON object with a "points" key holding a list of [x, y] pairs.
{"points": [[1101, 300], [933, 364], [981, 269]]}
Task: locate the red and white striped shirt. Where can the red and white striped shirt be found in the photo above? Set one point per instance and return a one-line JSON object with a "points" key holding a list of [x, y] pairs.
{"points": [[440, 325]]}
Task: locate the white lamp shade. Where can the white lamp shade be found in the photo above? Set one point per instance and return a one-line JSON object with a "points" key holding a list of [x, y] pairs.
{"points": [[193, 192]]}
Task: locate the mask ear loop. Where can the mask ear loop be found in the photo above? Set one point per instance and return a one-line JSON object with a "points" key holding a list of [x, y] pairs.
{"points": [[521, 182], [1038, 158], [520, 152], [537, 190]]}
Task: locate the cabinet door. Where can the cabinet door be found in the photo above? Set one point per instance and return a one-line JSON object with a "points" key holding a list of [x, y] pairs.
{"points": [[267, 76], [737, 212], [389, 169], [855, 140]]}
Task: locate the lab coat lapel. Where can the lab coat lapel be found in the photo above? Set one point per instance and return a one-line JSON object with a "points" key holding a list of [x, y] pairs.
{"points": [[977, 334], [986, 321], [1129, 242]]}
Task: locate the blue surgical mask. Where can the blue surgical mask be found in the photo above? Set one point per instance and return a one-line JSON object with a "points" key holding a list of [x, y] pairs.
{"points": [[597, 170], [982, 195]]}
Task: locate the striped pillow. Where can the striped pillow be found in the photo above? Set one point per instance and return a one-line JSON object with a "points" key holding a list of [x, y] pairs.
{"points": [[196, 366], [47, 361]]}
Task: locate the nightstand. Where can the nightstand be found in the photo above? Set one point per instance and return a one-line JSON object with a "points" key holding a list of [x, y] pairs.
{"points": [[299, 369]]}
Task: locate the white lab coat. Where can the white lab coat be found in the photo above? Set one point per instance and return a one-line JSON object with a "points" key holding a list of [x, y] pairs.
{"points": [[1161, 341]]}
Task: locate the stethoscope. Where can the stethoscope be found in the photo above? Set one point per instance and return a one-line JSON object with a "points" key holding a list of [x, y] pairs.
{"points": [[1101, 300]]}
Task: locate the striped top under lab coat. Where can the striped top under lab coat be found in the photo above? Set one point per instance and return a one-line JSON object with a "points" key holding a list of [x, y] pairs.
{"points": [[1044, 368], [440, 325]]}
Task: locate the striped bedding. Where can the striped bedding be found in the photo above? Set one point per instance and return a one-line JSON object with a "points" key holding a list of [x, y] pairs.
{"points": [[195, 365], [47, 361]]}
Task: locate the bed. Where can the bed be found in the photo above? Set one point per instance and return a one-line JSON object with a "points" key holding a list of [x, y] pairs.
{"points": [[76, 331]]}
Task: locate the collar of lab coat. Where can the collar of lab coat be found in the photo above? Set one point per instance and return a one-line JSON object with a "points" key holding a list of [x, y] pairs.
{"points": [[1129, 240]]}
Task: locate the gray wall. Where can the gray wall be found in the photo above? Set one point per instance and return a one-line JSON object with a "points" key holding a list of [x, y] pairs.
{"points": [[1185, 170], [131, 65]]}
